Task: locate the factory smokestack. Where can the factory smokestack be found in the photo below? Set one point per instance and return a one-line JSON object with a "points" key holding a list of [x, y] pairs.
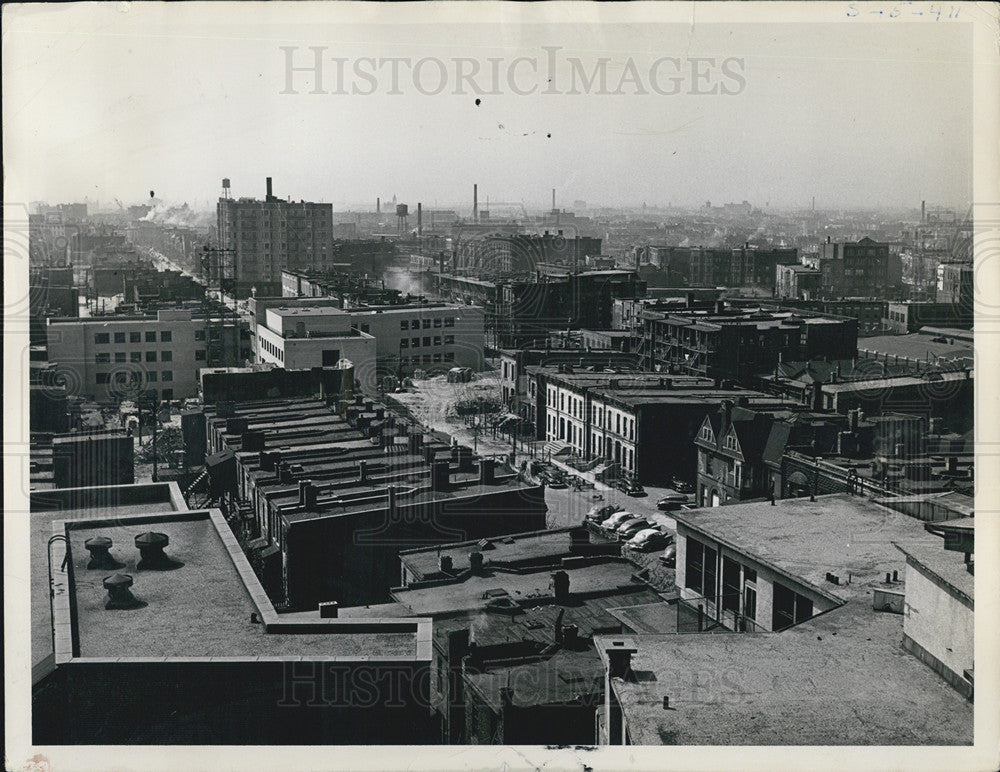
{"points": [[269, 191], [553, 199], [475, 203], [420, 219], [923, 211]]}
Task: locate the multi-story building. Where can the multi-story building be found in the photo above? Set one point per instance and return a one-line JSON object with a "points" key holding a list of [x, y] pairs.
{"points": [[110, 358], [955, 286], [623, 418], [865, 268], [520, 254], [910, 316], [407, 336], [797, 282], [267, 236], [736, 344]]}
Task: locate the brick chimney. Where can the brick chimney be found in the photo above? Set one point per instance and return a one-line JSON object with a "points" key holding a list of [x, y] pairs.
{"points": [[476, 562], [560, 586], [619, 660]]}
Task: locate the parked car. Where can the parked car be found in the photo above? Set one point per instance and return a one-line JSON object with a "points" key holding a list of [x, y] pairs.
{"points": [[649, 539], [681, 485], [558, 483], [669, 556], [671, 501], [630, 528], [602, 512], [615, 520], [631, 488]]}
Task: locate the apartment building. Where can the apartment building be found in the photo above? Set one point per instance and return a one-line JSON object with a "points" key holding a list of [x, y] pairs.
{"points": [[267, 236], [110, 358]]}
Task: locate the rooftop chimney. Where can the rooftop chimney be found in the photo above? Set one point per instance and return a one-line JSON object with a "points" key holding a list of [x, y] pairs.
{"points": [[362, 470], [270, 194], [579, 537], [311, 495], [571, 636], [486, 471], [303, 487], [619, 660], [445, 563], [440, 474], [152, 556], [119, 594], [560, 586], [329, 609], [99, 548], [476, 562]]}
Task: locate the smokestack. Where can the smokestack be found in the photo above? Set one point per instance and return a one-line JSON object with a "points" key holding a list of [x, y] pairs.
{"points": [[923, 211], [378, 206], [553, 199], [475, 203], [269, 192], [420, 219]]}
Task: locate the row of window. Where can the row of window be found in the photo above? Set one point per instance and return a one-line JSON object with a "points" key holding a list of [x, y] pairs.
{"points": [[415, 324], [271, 349], [137, 356], [121, 378], [448, 356], [428, 341], [102, 338]]}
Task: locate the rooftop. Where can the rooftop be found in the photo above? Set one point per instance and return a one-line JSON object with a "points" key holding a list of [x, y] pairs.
{"points": [[841, 534], [813, 684], [915, 346], [203, 608]]}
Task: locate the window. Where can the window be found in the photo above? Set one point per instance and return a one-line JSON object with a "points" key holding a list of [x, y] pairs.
{"points": [[700, 569], [365, 328], [103, 377], [427, 340], [427, 324], [166, 356], [437, 322], [404, 343], [730, 585], [151, 337], [199, 335], [427, 359], [437, 357], [102, 359], [150, 356], [437, 340], [102, 337], [404, 325], [151, 376], [135, 337], [167, 393], [199, 355], [166, 336], [119, 356], [449, 356], [119, 337], [167, 375], [789, 608], [135, 356], [449, 321], [330, 357], [415, 342]]}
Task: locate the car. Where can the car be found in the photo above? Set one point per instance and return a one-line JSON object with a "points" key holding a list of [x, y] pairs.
{"points": [[681, 485], [630, 528], [631, 488], [615, 520], [669, 556], [649, 539], [671, 501], [558, 484], [602, 512]]}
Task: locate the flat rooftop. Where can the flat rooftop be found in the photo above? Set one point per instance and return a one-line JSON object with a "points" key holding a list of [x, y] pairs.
{"points": [[841, 534], [203, 608], [809, 685], [607, 577], [916, 346], [109, 502]]}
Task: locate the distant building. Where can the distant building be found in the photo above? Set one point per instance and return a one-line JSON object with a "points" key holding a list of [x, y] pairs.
{"points": [[119, 357], [910, 316], [865, 268], [955, 286], [270, 235], [735, 344], [797, 282]]}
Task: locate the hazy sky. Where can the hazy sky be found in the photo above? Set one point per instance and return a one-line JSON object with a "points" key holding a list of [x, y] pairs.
{"points": [[117, 100]]}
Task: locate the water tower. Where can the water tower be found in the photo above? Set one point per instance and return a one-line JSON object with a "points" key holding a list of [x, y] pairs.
{"points": [[402, 218]]}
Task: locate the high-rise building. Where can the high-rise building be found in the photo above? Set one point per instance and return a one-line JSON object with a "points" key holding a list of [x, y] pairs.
{"points": [[267, 236]]}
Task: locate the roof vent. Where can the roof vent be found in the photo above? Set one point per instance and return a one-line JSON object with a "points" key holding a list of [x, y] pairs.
{"points": [[153, 558], [485, 544], [100, 555], [119, 595]]}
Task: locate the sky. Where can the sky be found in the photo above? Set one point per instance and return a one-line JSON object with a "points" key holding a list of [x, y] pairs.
{"points": [[116, 100]]}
